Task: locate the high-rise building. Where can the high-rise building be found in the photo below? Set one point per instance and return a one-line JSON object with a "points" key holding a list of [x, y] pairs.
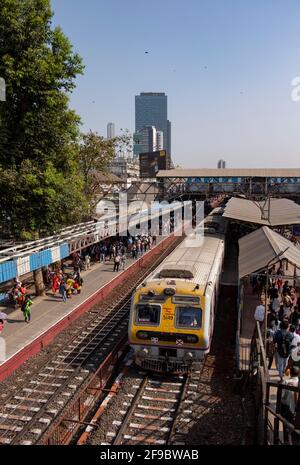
{"points": [[145, 140], [110, 130], [221, 164], [169, 134], [159, 140], [151, 109]]}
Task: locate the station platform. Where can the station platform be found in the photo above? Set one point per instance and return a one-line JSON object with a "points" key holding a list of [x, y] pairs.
{"points": [[50, 315], [250, 302]]}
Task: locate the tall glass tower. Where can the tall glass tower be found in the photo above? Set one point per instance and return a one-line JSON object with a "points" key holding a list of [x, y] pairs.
{"points": [[110, 130], [151, 109]]}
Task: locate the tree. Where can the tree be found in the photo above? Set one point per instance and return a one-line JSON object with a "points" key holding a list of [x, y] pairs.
{"points": [[95, 156], [41, 185]]}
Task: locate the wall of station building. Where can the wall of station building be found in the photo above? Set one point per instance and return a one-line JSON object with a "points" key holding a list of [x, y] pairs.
{"points": [[22, 265]]}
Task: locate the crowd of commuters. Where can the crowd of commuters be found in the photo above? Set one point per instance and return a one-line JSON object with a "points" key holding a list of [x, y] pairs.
{"points": [[67, 283], [283, 335], [20, 297], [117, 251]]}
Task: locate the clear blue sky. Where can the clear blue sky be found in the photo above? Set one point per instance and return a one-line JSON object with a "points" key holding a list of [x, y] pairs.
{"points": [[226, 66]]}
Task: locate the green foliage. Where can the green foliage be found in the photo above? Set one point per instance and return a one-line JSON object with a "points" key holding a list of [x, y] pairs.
{"points": [[43, 200], [40, 185], [95, 156]]}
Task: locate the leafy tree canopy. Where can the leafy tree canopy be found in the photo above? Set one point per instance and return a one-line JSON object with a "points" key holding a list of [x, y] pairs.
{"points": [[95, 156], [40, 182]]}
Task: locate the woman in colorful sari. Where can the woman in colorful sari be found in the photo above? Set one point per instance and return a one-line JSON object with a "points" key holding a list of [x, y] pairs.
{"points": [[55, 284]]}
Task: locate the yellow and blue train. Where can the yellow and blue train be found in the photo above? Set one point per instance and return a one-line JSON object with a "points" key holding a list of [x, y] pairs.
{"points": [[173, 311]]}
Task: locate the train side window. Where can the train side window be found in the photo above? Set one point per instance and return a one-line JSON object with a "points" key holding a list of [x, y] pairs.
{"points": [[188, 317], [147, 314]]}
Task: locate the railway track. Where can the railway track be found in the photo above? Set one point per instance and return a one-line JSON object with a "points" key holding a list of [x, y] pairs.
{"points": [[152, 414], [41, 398], [149, 409]]}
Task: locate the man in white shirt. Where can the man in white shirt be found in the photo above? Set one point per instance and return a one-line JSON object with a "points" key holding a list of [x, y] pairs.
{"points": [[289, 401], [259, 313], [296, 341]]}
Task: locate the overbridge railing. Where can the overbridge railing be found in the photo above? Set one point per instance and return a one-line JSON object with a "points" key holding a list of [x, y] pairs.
{"points": [[271, 426], [277, 429]]}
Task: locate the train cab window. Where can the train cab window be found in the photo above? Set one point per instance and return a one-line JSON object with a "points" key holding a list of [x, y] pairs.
{"points": [[188, 317], [147, 314]]}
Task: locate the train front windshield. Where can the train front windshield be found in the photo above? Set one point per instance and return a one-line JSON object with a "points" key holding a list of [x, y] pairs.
{"points": [[188, 317], [147, 313]]}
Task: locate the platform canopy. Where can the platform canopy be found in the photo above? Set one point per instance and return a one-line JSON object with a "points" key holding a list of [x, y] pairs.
{"points": [[261, 248], [282, 211]]}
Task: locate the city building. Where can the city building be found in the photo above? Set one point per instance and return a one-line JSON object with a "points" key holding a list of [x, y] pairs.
{"points": [[127, 169], [110, 130], [145, 140], [159, 140], [169, 135], [221, 164], [151, 109]]}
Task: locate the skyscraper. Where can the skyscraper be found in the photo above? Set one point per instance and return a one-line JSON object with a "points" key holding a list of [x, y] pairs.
{"points": [[169, 134], [151, 109], [145, 140], [159, 140], [221, 164], [110, 130]]}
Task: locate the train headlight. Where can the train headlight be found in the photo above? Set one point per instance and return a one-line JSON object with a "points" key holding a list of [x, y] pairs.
{"points": [[189, 356], [169, 291], [192, 338], [143, 352], [142, 335]]}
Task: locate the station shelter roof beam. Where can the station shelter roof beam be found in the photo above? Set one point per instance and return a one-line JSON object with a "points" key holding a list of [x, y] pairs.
{"points": [[258, 248], [282, 211]]}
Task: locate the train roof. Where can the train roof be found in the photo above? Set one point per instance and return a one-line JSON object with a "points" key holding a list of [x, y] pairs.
{"points": [[214, 224], [192, 261]]}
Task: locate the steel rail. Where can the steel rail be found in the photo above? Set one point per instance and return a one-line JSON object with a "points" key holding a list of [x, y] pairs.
{"points": [[56, 368], [135, 400]]}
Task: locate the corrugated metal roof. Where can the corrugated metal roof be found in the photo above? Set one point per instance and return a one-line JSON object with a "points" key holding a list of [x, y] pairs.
{"points": [[230, 172], [259, 247], [199, 259], [282, 211], [106, 177]]}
